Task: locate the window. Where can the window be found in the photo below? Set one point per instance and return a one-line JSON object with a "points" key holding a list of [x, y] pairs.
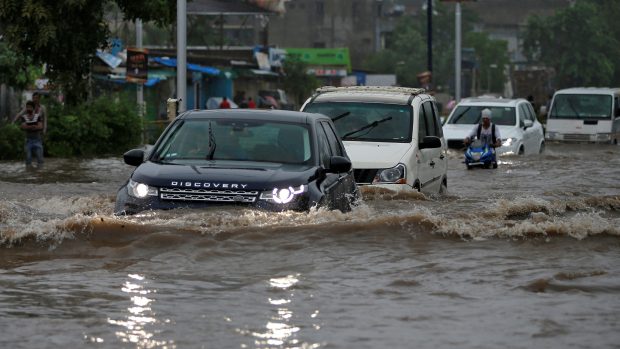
{"points": [[438, 121], [324, 151], [523, 114], [581, 106], [333, 139], [423, 128], [430, 119], [469, 114]]}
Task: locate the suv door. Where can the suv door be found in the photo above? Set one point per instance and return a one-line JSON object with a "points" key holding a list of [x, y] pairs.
{"points": [[431, 162], [330, 184], [346, 180]]}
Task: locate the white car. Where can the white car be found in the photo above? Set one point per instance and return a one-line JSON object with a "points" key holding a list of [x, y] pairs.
{"points": [[520, 130], [392, 135]]}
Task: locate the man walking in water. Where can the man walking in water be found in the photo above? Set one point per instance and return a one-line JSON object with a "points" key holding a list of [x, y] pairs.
{"points": [[486, 131], [33, 124]]}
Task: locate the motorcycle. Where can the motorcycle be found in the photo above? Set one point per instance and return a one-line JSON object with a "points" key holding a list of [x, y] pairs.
{"points": [[480, 154]]}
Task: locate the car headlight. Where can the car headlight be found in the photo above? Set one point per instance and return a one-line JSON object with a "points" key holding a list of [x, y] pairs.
{"points": [[283, 195], [396, 174], [509, 141], [140, 190]]}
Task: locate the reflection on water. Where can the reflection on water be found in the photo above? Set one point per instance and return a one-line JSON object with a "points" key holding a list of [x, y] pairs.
{"points": [[139, 316]]}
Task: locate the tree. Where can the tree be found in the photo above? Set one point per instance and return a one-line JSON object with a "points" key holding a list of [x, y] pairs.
{"points": [[297, 81], [15, 69], [65, 34], [580, 42]]}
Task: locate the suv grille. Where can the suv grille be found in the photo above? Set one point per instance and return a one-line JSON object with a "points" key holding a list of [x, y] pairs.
{"points": [[242, 196], [365, 176]]}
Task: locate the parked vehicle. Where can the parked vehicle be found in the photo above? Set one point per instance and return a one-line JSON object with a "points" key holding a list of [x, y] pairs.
{"points": [[392, 134], [267, 159], [520, 130], [585, 115]]}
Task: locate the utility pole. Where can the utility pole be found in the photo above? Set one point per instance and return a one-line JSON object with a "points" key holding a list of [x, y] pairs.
{"points": [[457, 52], [182, 54], [139, 86], [429, 33]]}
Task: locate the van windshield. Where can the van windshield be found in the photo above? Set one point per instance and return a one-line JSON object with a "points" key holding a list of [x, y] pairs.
{"points": [[581, 106], [370, 122]]}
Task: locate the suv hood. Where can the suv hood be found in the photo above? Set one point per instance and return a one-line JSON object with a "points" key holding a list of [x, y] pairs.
{"points": [[375, 154], [224, 175]]}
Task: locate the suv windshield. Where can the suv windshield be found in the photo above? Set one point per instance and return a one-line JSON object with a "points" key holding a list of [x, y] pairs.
{"points": [[370, 122], [470, 114], [569, 106], [198, 140]]}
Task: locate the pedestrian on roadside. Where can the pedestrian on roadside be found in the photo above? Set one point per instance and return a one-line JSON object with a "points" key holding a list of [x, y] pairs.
{"points": [[251, 103], [225, 104], [32, 124]]}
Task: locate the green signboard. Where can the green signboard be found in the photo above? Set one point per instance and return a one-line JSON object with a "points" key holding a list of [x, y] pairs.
{"points": [[322, 56]]}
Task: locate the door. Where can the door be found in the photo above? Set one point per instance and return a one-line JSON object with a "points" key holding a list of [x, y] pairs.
{"points": [[431, 162], [526, 133], [329, 186], [346, 180]]}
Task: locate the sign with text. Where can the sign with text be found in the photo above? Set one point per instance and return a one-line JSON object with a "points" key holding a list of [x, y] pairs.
{"points": [[137, 65]]}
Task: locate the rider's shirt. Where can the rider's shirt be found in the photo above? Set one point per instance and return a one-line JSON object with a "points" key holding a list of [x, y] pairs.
{"points": [[486, 134]]}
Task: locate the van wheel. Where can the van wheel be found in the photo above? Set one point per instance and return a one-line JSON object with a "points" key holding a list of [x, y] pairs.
{"points": [[542, 148], [521, 150]]}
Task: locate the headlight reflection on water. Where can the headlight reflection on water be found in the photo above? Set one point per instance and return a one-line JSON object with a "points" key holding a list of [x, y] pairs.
{"points": [[139, 315], [279, 331]]}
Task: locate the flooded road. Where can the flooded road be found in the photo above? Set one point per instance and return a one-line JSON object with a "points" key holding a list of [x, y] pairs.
{"points": [[524, 256]]}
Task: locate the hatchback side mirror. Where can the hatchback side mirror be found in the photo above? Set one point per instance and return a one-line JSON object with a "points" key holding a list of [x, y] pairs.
{"points": [[527, 124], [134, 157], [339, 164], [430, 142]]}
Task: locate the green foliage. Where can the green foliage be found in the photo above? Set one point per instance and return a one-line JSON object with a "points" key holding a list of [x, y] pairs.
{"points": [[15, 69], [11, 142], [296, 81], [581, 42], [102, 127], [65, 34], [406, 52]]}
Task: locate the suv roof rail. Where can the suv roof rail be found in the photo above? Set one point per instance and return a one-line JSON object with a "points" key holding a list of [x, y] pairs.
{"points": [[388, 89]]}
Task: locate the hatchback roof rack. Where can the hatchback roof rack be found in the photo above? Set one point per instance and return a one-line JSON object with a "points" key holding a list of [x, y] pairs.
{"points": [[386, 89]]}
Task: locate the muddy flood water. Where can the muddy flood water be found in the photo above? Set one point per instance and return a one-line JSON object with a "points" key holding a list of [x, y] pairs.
{"points": [[525, 256]]}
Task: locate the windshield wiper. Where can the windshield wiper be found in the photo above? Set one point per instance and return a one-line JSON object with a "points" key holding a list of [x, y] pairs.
{"points": [[212, 144], [368, 127], [570, 104], [340, 116]]}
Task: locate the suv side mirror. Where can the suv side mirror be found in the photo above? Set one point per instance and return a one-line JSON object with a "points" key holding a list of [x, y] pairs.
{"points": [[430, 142], [527, 124], [339, 164], [134, 157]]}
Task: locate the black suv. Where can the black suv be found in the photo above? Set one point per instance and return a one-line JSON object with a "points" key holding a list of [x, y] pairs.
{"points": [[268, 159]]}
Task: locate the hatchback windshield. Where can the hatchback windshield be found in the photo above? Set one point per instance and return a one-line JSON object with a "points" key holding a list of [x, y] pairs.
{"points": [[470, 114], [376, 122], [199, 140], [581, 106]]}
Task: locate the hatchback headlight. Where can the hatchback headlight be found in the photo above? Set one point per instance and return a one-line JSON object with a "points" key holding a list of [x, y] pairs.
{"points": [[509, 141], [140, 190], [283, 195], [396, 174]]}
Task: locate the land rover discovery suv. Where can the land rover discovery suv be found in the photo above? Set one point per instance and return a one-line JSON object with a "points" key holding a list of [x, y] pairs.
{"points": [[393, 135]]}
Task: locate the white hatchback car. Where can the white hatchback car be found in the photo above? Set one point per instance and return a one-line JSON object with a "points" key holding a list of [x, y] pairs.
{"points": [[521, 132], [392, 135]]}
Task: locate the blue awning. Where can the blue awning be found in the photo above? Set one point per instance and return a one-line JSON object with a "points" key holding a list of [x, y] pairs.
{"points": [[172, 62]]}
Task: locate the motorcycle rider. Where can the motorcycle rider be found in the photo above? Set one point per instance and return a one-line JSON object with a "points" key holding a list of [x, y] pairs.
{"points": [[486, 131]]}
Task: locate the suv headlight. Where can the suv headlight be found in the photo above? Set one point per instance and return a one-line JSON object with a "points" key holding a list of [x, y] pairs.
{"points": [[396, 174], [140, 190], [283, 195]]}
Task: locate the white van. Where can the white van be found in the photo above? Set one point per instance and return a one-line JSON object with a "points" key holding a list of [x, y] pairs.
{"points": [[393, 135], [585, 115]]}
